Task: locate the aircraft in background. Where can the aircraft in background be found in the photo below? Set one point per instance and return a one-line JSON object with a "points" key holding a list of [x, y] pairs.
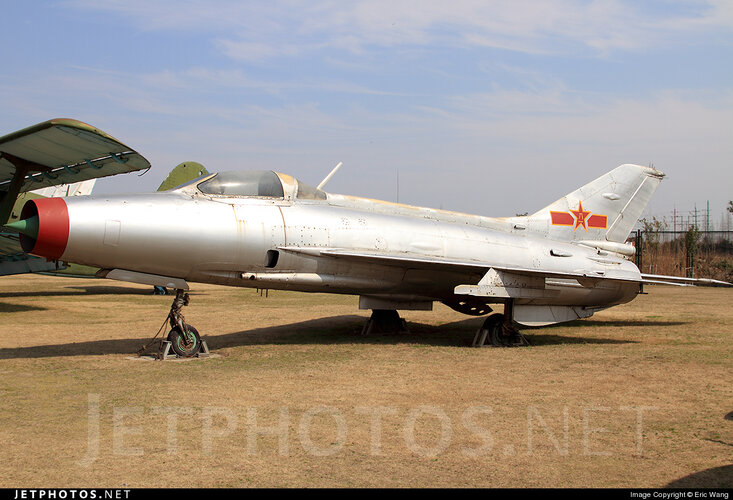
{"points": [[14, 261], [267, 230], [46, 149], [59, 157]]}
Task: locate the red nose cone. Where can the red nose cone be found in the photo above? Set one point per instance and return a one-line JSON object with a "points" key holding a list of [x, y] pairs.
{"points": [[53, 227]]}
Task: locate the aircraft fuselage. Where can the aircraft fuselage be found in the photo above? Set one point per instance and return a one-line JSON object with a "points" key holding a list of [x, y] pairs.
{"points": [[277, 244]]}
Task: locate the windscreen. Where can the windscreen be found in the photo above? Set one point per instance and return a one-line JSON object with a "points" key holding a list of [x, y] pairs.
{"points": [[308, 192], [263, 183]]}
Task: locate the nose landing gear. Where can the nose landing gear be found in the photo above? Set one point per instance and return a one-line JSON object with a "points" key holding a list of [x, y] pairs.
{"points": [[184, 338], [186, 342]]}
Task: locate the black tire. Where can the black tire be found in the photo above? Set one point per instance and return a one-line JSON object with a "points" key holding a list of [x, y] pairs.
{"points": [[499, 337], [181, 346], [496, 331]]}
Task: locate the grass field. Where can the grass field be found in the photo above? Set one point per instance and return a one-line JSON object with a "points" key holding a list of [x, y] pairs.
{"points": [[640, 395]]}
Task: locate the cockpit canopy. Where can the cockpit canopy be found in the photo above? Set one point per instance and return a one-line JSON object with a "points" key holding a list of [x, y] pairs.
{"points": [[263, 183], [258, 183]]}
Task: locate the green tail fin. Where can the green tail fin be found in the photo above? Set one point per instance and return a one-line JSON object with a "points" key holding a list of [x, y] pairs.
{"points": [[183, 173]]}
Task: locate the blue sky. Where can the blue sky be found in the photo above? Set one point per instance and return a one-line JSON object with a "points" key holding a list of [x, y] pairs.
{"points": [[485, 107]]}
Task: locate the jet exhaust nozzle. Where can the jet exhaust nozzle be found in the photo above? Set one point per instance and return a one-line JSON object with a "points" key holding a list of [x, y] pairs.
{"points": [[43, 227]]}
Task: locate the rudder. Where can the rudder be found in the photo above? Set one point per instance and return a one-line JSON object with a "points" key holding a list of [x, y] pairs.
{"points": [[604, 209]]}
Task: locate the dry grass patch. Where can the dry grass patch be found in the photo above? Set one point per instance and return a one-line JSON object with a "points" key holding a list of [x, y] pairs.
{"points": [[636, 396]]}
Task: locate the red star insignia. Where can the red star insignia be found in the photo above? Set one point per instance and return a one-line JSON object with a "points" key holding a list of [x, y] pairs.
{"points": [[580, 216]]}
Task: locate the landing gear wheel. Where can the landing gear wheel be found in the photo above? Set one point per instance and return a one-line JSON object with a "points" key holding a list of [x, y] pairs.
{"points": [[185, 345], [497, 332], [503, 333], [495, 325]]}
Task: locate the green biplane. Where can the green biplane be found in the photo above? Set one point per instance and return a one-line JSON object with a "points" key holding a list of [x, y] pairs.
{"points": [[68, 155]]}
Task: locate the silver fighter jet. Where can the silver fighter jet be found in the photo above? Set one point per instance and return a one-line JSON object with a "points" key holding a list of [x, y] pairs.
{"points": [[267, 230]]}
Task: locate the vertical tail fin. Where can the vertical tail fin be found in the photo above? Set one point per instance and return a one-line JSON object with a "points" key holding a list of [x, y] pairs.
{"points": [[181, 174], [605, 209]]}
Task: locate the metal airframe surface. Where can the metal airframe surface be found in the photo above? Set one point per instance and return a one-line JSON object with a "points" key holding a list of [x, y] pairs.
{"points": [[324, 247], [392, 254]]}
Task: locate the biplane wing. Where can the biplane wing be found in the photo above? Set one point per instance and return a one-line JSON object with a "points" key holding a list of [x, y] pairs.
{"points": [[59, 151]]}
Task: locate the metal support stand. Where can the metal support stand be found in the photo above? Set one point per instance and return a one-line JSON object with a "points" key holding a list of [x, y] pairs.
{"points": [[500, 331], [384, 321], [486, 330], [479, 340], [165, 351]]}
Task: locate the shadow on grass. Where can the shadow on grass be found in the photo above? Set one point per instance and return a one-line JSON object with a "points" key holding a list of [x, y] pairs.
{"points": [[718, 477], [347, 330], [326, 331], [13, 308], [617, 323], [82, 290], [92, 290], [545, 334]]}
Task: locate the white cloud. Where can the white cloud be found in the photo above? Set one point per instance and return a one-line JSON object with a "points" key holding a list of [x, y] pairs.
{"points": [[488, 147], [256, 30], [495, 153]]}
